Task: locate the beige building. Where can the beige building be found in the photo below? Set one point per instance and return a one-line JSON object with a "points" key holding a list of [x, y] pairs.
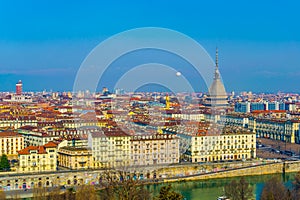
{"points": [[34, 138], [17, 122], [111, 148], [75, 157], [154, 149], [38, 158], [278, 129], [11, 143], [223, 147]]}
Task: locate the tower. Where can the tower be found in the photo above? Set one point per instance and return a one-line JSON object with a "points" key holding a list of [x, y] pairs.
{"points": [[19, 86], [167, 102], [217, 95]]}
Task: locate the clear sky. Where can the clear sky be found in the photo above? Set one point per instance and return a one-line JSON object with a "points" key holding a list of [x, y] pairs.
{"points": [[44, 42]]}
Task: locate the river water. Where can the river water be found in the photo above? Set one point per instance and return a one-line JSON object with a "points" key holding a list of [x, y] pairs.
{"points": [[211, 189]]}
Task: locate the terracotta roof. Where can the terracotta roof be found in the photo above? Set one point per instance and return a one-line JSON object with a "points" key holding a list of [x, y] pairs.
{"points": [[26, 151], [9, 134], [50, 145], [28, 127]]}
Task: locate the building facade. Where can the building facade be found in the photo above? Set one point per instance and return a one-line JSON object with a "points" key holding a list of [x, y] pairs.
{"points": [[223, 147], [17, 122], [111, 148], [10, 144], [33, 138], [38, 158], [154, 149], [75, 157]]}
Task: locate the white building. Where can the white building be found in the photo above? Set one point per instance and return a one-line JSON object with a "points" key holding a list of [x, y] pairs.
{"points": [[154, 149], [110, 148]]}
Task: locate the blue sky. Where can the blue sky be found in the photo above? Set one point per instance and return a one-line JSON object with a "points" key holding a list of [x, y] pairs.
{"points": [[44, 42]]}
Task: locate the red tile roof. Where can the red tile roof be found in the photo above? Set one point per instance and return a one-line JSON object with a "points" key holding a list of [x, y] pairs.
{"points": [[50, 144], [9, 134], [26, 151]]}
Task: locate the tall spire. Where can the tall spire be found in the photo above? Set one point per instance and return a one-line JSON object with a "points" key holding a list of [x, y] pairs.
{"points": [[217, 59], [217, 75]]}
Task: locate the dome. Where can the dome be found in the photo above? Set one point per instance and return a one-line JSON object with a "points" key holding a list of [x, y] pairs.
{"points": [[217, 96], [217, 88]]}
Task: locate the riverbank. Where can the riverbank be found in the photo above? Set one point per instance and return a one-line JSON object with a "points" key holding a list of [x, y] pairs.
{"points": [[263, 169], [212, 188], [163, 174]]}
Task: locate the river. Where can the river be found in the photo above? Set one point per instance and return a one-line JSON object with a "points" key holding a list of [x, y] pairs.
{"points": [[211, 189]]}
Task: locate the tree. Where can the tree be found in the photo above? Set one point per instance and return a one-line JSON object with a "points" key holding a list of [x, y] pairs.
{"points": [[70, 194], [14, 195], [2, 194], [275, 190], [166, 193], [4, 163], [86, 192], [296, 186], [239, 190], [119, 185], [39, 193], [56, 194], [296, 182]]}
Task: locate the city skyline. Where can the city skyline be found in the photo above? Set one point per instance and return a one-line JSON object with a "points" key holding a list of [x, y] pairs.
{"points": [[45, 44]]}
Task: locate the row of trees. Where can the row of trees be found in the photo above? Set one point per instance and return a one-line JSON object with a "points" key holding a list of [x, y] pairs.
{"points": [[89, 192], [274, 189], [114, 186]]}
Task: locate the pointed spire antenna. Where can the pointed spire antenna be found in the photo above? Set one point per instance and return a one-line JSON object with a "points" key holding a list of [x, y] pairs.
{"points": [[217, 59], [217, 75]]}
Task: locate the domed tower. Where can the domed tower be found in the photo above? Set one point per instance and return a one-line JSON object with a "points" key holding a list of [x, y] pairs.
{"points": [[217, 96]]}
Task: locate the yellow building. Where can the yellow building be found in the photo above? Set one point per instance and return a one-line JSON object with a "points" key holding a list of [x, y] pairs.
{"points": [[223, 147], [17, 122], [38, 158], [111, 148], [11, 143], [75, 157]]}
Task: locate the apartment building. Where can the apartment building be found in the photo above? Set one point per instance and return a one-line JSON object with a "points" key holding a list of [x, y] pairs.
{"points": [[154, 149], [222, 147], [38, 158], [110, 148], [10, 144], [75, 157]]}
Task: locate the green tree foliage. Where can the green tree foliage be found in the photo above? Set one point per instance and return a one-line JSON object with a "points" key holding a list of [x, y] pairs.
{"points": [[275, 190], [166, 193], [4, 163], [239, 190]]}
